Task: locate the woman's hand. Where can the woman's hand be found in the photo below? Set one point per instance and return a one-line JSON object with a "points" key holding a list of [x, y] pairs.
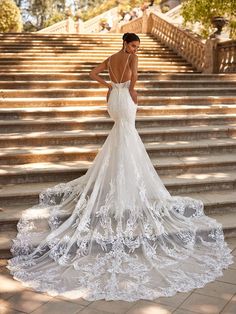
{"points": [[134, 95], [109, 91]]}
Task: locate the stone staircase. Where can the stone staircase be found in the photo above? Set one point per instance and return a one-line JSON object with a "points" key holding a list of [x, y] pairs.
{"points": [[54, 120]]}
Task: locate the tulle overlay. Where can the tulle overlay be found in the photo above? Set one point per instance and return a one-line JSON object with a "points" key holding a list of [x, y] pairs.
{"points": [[116, 233]]}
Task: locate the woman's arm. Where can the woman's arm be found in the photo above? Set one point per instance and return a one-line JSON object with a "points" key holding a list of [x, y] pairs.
{"points": [[98, 69], [134, 77], [134, 69]]}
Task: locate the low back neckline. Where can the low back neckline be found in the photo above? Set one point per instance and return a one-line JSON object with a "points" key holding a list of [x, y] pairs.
{"points": [[109, 66]]}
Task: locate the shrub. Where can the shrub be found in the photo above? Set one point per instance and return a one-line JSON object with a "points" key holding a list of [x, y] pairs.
{"points": [[202, 11], [55, 18], [10, 17]]}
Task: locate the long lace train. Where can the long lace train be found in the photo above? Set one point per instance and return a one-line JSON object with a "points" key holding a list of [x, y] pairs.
{"points": [[116, 233]]}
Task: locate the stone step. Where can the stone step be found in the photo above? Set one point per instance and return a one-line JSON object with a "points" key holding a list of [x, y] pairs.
{"points": [[211, 112], [79, 46], [116, 42], [86, 69], [197, 166], [101, 52], [224, 102], [90, 92], [76, 45], [143, 75], [84, 63], [73, 137], [67, 36], [213, 204], [81, 55], [15, 193], [187, 150], [79, 84], [98, 53], [228, 221], [98, 123], [61, 42]]}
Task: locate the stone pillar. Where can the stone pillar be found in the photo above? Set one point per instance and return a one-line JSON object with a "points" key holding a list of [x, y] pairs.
{"points": [[149, 24], [70, 25], [211, 56], [145, 22]]}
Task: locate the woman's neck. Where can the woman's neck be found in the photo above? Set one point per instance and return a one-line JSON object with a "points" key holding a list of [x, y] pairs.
{"points": [[125, 51]]}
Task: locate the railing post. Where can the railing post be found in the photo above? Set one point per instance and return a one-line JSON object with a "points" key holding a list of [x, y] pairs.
{"points": [[145, 22], [149, 23], [211, 56], [70, 25]]}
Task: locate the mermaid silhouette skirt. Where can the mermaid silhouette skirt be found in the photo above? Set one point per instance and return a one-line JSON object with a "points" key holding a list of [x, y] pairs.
{"points": [[116, 233]]}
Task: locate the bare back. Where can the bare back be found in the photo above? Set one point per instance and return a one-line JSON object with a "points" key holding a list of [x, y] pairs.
{"points": [[119, 67]]}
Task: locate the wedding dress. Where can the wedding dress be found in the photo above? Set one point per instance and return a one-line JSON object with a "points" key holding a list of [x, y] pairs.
{"points": [[116, 233]]}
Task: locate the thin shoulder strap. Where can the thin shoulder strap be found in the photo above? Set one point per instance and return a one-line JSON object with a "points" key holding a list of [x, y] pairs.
{"points": [[124, 68], [109, 65]]}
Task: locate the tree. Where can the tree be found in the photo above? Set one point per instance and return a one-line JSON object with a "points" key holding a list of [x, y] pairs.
{"points": [[36, 13], [55, 18], [40, 10], [202, 11], [10, 17]]}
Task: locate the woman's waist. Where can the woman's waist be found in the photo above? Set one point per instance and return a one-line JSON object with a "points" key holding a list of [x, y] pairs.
{"points": [[121, 84]]}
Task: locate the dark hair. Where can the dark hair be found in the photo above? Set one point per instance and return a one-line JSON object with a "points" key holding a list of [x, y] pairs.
{"points": [[128, 37]]}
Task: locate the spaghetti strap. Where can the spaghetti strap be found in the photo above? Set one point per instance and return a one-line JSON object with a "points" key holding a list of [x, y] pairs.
{"points": [[124, 68], [109, 65]]}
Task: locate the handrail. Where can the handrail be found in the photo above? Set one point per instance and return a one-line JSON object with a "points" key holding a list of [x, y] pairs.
{"points": [[182, 42], [226, 56], [209, 56], [90, 26], [134, 26], [65, 26], [93, 25]]}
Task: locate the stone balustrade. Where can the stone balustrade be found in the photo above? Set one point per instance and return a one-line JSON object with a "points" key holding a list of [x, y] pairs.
{"points": [[182, 42], [226, 56], [134, 26], [65, 26], [93, 24], [208, 56], [90, 26]]}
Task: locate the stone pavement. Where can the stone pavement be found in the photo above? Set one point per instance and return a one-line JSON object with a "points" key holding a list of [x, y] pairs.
{"points": [[216, 297]]}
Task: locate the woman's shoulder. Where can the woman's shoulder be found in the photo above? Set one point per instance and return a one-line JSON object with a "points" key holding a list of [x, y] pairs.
{"points": [[134, 57], [117, 56], [108, 58]]}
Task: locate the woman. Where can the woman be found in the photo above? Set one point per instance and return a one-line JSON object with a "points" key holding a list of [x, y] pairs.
{"points": [[116, 233], [127, 53]]}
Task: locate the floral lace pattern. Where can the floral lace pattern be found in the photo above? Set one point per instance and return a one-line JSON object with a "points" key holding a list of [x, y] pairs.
{"points": [[116, 233]]}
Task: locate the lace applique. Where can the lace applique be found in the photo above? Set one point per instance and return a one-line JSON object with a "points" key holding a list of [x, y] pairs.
{"points": [[116, 233]]}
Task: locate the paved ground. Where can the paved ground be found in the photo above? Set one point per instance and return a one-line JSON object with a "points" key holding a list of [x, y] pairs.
{"points": [[216, 297]]}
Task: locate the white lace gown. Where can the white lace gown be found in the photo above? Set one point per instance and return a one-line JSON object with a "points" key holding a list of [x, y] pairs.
{"points": [[116, 233]]}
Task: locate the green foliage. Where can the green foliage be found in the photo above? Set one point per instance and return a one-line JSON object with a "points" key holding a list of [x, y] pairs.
{"points": [[41, 13], [123, 5], [40, 10], [55, 18], [202, 11], [165, 8], [98, 9], [10, 17]]}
